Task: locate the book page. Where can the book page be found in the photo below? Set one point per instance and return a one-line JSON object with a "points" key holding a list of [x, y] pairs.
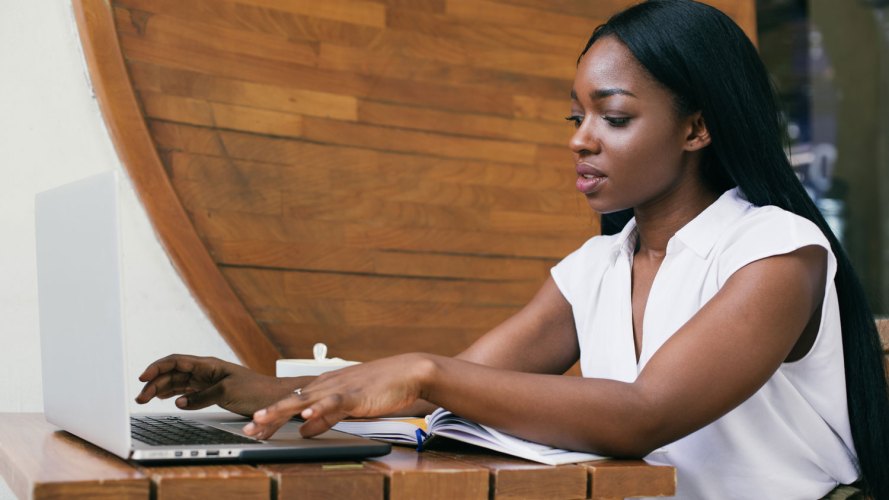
{"points": [[444, 423], [393, 430]]}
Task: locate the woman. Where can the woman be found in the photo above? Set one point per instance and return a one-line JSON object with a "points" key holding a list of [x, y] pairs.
{"points": [[712, 318]]}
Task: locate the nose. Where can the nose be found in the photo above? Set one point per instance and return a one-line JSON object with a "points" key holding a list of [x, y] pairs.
{"points": [[584, 141]]}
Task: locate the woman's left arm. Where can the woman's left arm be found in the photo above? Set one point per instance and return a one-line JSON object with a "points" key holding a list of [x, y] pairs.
{"points": [[718, 359]]}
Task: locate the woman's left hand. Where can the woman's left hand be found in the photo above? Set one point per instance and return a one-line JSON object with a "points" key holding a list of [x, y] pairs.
{"points": [[370, 389]]}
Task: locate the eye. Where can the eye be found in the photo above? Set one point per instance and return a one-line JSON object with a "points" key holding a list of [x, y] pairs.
{"points": [[617, 121], [577, 119]]}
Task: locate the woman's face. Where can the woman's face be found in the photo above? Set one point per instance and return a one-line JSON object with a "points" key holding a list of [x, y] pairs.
{"points": [[631, 146]]}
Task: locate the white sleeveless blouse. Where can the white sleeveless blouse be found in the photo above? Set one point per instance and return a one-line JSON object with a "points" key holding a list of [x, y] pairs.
{"points": [[791, 439]]}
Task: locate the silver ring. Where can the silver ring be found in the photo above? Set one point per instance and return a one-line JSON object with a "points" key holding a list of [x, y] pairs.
{"points": [[298, 391]]}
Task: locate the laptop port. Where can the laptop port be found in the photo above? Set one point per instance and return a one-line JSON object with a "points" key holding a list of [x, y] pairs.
{"points": [[212, 453], [178, 453], [194, 453]]}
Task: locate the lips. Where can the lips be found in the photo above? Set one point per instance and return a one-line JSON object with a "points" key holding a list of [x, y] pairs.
{"points": [[589, 178]]}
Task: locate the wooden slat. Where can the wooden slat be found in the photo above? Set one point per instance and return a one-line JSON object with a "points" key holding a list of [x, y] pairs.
{"points": [[555, 156], [325, 257], [436, 6], [619, 479], [533, 107], [137, 152], [38, 461], [482, 33], [351, 480], [369, 343], [171, 30], [370, 313], [411, 475], [463, 124], [183, 83], [229, 197], [351, 11], [358, 237], [498, 69], [409, 141], [410, 48], [250, 154], [289, 287], [210, 481], [517, 478], [596, 11], [222, 116], [511, 15], [476, 98], [233, 14]]}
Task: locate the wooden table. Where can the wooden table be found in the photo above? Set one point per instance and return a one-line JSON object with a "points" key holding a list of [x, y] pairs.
{"points": [[39, 461]]}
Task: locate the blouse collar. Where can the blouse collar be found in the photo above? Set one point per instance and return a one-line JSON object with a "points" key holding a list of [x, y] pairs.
{"points": [[700, 234]]}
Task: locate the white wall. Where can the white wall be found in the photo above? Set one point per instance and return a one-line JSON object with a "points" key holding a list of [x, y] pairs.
{"points": [[51, 132]]}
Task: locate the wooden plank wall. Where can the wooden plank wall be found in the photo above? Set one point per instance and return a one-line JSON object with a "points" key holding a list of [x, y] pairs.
{"points": [[380, 175]]}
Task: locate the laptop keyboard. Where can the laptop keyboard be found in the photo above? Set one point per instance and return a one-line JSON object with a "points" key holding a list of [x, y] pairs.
{"points": [[169, 430]]}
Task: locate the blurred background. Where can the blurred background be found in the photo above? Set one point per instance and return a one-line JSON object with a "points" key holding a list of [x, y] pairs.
{"points": [[830, 62]]}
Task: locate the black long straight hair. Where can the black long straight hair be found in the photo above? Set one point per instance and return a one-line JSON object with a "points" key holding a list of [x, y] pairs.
{"points": [[709, 65]]}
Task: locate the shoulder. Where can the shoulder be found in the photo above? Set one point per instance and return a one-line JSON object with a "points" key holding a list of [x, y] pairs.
{"points": [[581, 267], [766, 231]]}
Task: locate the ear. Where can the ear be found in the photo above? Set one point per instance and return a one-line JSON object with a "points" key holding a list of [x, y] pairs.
{"points": [[698, 136]]}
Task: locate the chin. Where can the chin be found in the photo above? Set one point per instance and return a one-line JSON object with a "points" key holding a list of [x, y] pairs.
{"points": [[603, 206]]}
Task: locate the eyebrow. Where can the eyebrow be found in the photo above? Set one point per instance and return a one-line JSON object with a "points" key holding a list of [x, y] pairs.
{"points": [[603, 93]]}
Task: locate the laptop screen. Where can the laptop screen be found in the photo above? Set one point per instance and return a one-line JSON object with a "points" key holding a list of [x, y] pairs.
{"points": [[79, 295]]}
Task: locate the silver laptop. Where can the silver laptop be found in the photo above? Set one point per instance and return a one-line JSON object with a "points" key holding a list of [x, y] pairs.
{"points": [[82, 347]]}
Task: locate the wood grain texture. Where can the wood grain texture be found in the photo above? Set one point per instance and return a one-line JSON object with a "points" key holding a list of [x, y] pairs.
{"points": [[626, 478], [411, 475], [221, 481], [38, 461], [380, 175], [513, 478], [137, 152], [352, 480]]}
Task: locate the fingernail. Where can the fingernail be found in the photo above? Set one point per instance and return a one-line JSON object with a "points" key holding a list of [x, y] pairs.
{"points": [[260, 413], [249, 428], [182, 402], [307, 413]]}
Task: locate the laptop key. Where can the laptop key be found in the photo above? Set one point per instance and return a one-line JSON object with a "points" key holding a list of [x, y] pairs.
{"points": [[178, 431]]}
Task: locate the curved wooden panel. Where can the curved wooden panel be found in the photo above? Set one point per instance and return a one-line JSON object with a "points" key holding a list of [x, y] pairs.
{"points": [[136, 150], [380, 175]]}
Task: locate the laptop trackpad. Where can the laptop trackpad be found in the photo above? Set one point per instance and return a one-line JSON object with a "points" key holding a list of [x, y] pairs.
{"points": [[288, 432]]}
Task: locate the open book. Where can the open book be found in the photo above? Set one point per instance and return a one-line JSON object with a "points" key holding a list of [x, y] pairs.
{"points": [[418, 431]]}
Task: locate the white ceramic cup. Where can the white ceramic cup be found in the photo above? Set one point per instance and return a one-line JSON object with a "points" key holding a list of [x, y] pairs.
{"points": [[311, 367]]}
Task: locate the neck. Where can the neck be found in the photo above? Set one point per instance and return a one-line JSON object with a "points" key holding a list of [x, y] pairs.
{"points": [[658, 220]]}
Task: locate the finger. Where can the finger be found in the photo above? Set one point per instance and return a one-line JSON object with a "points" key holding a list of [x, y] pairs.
{"points": [[320, 424], [177, 383], [167, 385], [322, 415], [283, 409], [267, 420], [265, 429], [153, 388], [200, 399], [147, 392], [180, 362]]}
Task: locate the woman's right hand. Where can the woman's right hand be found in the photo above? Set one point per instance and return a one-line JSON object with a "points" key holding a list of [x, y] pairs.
{"points": [[203, 381]]}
